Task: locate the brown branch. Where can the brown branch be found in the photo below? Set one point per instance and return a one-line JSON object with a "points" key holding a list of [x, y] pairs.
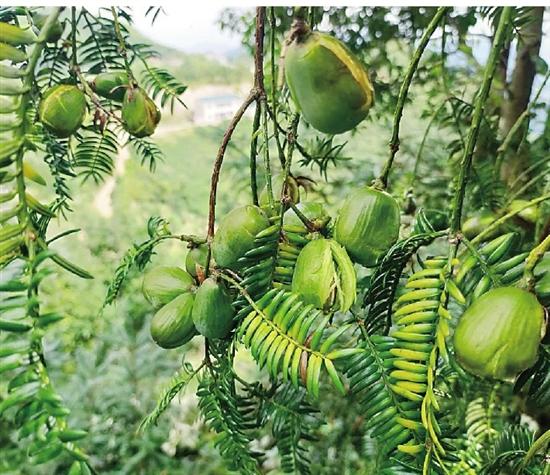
{"points": [[256, 94]]}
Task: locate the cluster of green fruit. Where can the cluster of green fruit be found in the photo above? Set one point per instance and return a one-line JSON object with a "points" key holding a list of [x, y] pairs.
{"points": [[63, 106]]}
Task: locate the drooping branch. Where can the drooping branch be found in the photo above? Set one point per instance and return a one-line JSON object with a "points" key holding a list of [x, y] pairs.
{"points": [[479, 108], [255, 94], [382, 181]]}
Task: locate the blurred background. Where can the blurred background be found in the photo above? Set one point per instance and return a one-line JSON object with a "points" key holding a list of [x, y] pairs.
{"points": [[104, 363]]}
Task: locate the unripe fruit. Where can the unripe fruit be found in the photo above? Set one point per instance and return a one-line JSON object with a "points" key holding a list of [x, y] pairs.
{"points": [[111, 85], [314, 212], [324, 275], [172, 325], [212, 311], [236, 233], [529, 214], [476, 224], [62, 109], [328, 83], [367, 225], [55, 32], [163, 283], [291, 189], [499, 334], [140, 115], [196, 259]]}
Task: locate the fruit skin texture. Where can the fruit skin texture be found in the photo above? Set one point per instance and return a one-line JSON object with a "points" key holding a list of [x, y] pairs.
{"points": [[499, 334], [292, 190], [313, 211], [328, 83], [324, 275], [111, 85], [196, 257], [140, 115], [163, 283], [62, 109], [212, 311], [172, 325], [236, 233], [367, 225]]}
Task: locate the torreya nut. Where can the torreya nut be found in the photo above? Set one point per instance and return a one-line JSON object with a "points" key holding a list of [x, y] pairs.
{"points": [[62, 109], [324, 276], [111, 85], [499, 334], [56, 30], [328, 83], [313, 211], [212, 311], [236, 233], [478, 223], [291, 190], [163, 283], [172, 325], [529, 213], [140, 115], [196, 259], [367, 225]]}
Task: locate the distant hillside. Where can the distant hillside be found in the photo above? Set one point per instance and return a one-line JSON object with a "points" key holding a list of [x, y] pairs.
{"points": [[197, 69]]}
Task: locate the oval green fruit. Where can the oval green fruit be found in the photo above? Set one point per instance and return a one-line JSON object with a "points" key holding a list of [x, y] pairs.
{"points": [[140, 115], [291, 190], [236, 233], [367, 225], [529, 214], [476, 224], [56, 31], [196, 259], [172, 325], [111, 85], [328, 83], [212, 311], [499, 334], [313, 211], [163, 283], [62, 109], [324, 275]]}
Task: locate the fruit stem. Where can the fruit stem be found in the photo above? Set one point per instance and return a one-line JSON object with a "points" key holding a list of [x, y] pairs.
{"points": [[122, 47], [477, 116], [528, 281], [382, 181], [507, 216]]}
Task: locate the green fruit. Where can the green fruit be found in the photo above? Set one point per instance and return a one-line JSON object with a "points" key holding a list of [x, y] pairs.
{"points": [[140, 115], [162, 284], [542, 275], [328, 83], [367, 225], [291, 190], [196, 259], [324, 275], [499, 334], [529, 214], [111, 85], [315, 212], [236, 233], [62, 109], [212, 311], [476, 224], [172, 325], [55, 32], [15, 35]]}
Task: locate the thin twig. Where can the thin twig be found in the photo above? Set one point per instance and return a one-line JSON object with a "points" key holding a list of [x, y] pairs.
{"points": [[122, 47], [531, 262], [382, 181], [473, 133]]}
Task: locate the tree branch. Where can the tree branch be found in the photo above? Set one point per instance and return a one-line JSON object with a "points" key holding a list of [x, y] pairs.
{"points": [[473, 133], [382, 181]]}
